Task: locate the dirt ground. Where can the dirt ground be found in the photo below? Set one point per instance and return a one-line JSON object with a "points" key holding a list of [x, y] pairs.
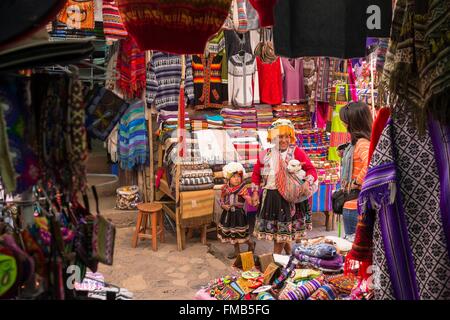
{"points": [[169, 274]]}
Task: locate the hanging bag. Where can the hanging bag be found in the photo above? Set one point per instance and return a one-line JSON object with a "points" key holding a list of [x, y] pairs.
{"points": [[103, 237]]}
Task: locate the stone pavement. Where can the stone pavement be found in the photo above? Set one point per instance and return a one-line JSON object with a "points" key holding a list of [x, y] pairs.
{"points": [[169, 274]]}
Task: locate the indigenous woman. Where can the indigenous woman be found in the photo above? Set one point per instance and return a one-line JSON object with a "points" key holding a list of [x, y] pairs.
{"points": [[279, 220]]}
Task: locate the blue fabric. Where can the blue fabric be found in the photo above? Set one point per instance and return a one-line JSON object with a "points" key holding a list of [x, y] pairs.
{"points": [[350, 221], [322, 251]]}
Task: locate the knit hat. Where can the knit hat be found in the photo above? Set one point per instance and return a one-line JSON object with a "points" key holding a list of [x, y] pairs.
{"points": [[281, 127], [265, 11], [176, 26], [232, 168]]}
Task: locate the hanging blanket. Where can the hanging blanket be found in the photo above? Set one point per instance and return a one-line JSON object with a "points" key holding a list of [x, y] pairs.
{"points": [[131, 66]]}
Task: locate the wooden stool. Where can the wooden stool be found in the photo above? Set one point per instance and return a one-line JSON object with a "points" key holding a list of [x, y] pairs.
{"points": [[157, 224]]}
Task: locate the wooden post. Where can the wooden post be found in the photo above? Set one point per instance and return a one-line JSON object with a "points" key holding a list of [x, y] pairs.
{"points": [[150, 140]]}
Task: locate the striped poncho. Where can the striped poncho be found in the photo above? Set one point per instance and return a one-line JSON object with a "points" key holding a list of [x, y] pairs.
{"points": [[133, 143]]}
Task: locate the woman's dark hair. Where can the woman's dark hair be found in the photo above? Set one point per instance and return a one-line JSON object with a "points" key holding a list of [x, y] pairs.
{"points": [[357, 117]]}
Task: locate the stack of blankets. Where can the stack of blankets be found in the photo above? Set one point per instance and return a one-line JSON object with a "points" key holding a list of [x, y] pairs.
{"points": [[214, 122], [315, 142], [198, 122], [320, 256], [298, 113], [264, 115], [247, 146], [196, 176], [168, 121], [239, 118]]}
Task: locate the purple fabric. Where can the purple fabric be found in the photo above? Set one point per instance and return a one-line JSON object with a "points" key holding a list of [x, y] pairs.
{"points": [[440, 137], [377, 193], [293, 85], [333, 264]]}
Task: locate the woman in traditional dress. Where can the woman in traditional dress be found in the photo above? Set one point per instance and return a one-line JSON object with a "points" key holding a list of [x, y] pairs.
{"points": [[278, 220]]}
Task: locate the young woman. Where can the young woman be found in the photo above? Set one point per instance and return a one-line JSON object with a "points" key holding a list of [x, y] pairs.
{"points": [[358, 120]]}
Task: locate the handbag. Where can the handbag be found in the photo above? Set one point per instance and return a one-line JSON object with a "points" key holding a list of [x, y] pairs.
{"points": [[128, 198], [103, 237], [340, 197]]}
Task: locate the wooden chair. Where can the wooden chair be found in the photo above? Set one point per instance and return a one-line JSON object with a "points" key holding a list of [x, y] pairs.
{"points": [[154, 210]]}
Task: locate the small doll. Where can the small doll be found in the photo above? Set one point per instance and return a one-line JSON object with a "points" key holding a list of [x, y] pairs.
{"points": [[233, 226]]}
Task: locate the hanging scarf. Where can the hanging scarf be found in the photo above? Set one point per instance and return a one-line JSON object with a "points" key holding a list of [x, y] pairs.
{"points": [[418, 60], [131, 66], [6, 167]]}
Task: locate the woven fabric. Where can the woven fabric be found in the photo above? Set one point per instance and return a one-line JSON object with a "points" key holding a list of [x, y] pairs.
{"points": [[112, 22], [78, 15], [132, 69]]}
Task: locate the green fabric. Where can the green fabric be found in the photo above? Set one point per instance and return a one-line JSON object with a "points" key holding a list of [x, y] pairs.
{"points": [[8, 273], [7, 172], [337, 127]]}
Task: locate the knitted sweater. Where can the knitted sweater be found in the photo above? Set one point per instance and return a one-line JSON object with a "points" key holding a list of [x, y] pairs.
{"points": [[164, 80], [243, 84]]}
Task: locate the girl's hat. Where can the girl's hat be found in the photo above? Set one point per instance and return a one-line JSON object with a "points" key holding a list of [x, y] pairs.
{"points": [[232, 168], [281, 127]]}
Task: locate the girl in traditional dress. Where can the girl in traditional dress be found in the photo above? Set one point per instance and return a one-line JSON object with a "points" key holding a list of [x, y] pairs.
{"points": [[233, 226]]}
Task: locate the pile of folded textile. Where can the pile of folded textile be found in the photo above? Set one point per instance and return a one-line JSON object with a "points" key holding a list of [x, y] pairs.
{"points": [[239, 118], [247, 146], [168, 122], [214, 122], [264, 115], [321, 256], [198, 122], [298, 113], [315, 142]]}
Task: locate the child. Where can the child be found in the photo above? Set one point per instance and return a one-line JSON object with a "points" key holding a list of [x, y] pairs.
{"points": [[233, 227]]}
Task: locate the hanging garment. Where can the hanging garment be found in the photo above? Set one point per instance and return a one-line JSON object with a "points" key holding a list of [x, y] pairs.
{"points": [[7, 173], [133, 140], [78, 14], [131, 66], [403, 189], [180, 26], [325, 68], [310, 77], [293, 80], [320, 28], [20, 154], [339, 134], [418, 59], [236, 42], [243, 86], [164, 80], [252, 16], [112, 22], [209, 91], [270, 81]]}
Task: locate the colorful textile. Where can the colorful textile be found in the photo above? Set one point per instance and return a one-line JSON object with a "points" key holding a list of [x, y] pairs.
{"points": [[334, 264], [325, 292], [343, 283], [305, 291], [112, 22], [188, 23], [243, 86], [293, 80], [164, 80], [77, 14], [265, 11], [131, 66], [325, 68], [133, 141], [209, 90], [378, 125], [409, 235], [270, 81], [418, 60], [339, 134], [321, 251]]}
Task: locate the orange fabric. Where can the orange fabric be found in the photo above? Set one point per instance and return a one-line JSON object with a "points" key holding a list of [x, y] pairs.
{"points": [[360, 166]]}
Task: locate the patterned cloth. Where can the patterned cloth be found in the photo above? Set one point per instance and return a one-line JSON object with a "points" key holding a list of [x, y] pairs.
{"points": [[164, 80], [78, 15], [112, 22], [133, 141], [131, 66], [418, 59], [410, 249]]}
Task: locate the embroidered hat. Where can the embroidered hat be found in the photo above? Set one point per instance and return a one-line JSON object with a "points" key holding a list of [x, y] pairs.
{"points": [[281, 127], [232, 168], [175, 26]]}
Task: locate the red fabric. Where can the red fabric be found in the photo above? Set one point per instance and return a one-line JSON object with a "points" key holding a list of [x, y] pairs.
{"points": [[176, 26], [265, 11], [181, 123], [270, 81], [352, 79], [299, 155], [322, 114], [131, 66], [377, 129]]}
